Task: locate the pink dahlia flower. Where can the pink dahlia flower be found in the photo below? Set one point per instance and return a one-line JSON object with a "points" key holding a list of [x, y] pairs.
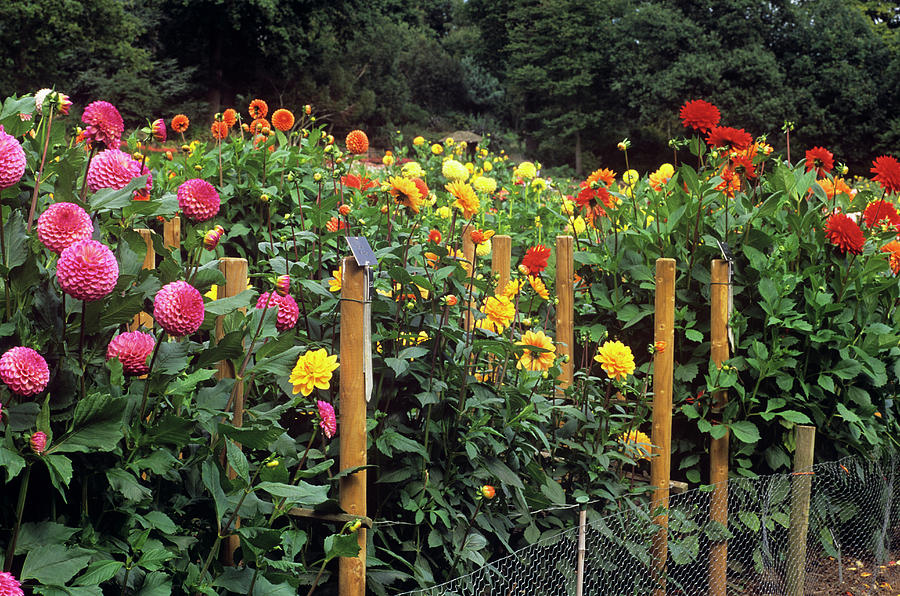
{"points": [[115, 169], [132, 349], [63, 224], [59, 100], [24, 371], [12, 160], [288, 312], [178, 308], [38, 442], [327, 419], [87, 270], [104, 124], [198, 199], [158, 130], [9, 585]]}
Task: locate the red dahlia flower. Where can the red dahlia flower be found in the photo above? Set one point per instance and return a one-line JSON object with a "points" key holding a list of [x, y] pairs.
{"points": [[12, 160], [821, 159], [887, 173], [258, 109], [843, 232], [178, 308], [87, 270], [24, 371], [288, 312], [730, 138], [878, 211], [132, 349], [115, 169], [699, 114], [535, 259]]}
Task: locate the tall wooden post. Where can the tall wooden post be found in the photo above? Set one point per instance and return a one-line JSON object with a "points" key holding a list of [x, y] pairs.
{"points": [[235, 272], [663, 368], [468, 249], [352, 571], [718, 451], [565, 309], [801, 484], [501, 251], [172, 233], [143, 318]]}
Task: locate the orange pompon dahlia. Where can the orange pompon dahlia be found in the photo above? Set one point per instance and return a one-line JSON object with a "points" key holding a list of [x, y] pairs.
{"points": [[893, 250], [466, 199], [258, 125], [283, 119], [405, 193], [729, 138], [603, 175], [700, 115], [258, 109], [844, 233], [357, 142], [532, 359], [229, 117], [887, 173], [219, 130], [180, 123], [821, 159]]}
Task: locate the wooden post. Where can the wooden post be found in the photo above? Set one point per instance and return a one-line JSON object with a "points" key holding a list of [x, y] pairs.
{"points": [[801, 484], [663, 368], [579, 570], [352, 571], [235, 272], [565, 309], [143, 318], [468, 249], [172, 233], [501, 251], [718, 451]]}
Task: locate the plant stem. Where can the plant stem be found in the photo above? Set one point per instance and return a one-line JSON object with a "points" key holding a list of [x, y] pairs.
{"points": [[37, 179], [20, 508], [147, 382], [466, 535], [318, 577]]}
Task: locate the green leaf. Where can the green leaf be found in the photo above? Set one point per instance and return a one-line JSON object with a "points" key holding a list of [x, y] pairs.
{"points": [[53, 564], [17, 248], [96, 426], [254, 438], [223, 306], [684, 551], [750, 519], [157, 583], [745, 431], [126, 483], [846, 369], [847, 414], [172, 358], [60, 468], [302, 493], [99, 572], [795, 417], [33, 535], [693, 335], [107, 199], [341, 545], [238, 461], [169, 430]]}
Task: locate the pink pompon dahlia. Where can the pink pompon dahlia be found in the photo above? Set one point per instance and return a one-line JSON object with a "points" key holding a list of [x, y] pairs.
{"points": [[198, 199], [9, 585], [132, 349], [115, 169], [288, 311], [158, 130], [63, 224], [327, 419], [178, 308], [24, 371], [38, 442], [87, 270], [12, 160], [104, 124]]}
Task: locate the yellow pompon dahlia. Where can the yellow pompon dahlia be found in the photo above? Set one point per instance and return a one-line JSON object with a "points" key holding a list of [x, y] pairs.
{"points": [[443, 212], [484, 249], [412, 169], [630, 177], [334, 284], [525, 170], [537, 284], [313, 371], [484, 184], [419, 141], [616, 359], [454, 171], [466, 199], [437, 149], [499, 312], [637, 444], [405, 192], [539, 361]]}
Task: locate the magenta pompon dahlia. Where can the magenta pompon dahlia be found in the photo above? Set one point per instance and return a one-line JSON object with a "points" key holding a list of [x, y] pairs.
{"points": [[198, 199], [327, 419], [132, 349], [104, 124], [288, 311], [178, 308], [24, 371], [9, 585], [115, 169], [12, 160], [87, 270], [63, 224], [38, 442]]}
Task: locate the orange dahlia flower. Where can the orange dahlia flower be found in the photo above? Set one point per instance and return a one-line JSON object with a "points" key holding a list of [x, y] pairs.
{"points": [[219, 130], [357, 142], [258, 109], [893, 250], [229, 116], [283, 119], [180, 123]]}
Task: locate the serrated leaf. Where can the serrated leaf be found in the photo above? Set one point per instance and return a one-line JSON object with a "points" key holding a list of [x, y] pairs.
{"points": [[53, 564], [96, 426], [302, 493], [99, 572], [126, 483], [238, 461]]}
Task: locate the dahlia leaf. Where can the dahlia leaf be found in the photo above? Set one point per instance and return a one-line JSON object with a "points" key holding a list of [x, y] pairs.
{"points": [[60, 468], [238, 461], [223, 306], [172, 358], [745, 431], [17, 247], [126, 483], [108, 199], [99, 572], [53, 564], [96, 426], [302, 493], [12, 461]]}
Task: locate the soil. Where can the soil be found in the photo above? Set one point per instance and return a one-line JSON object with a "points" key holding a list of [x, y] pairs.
{"points": [[852, 578]]}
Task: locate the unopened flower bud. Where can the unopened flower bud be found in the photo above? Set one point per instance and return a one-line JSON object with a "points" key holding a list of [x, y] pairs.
{"points": [[38, 442], [344, 210], [307, 109], [185, 148], [211, 240], [283, 285], [264, 198], [450, 300], [198, 167], [487, 491], [317, 176], [272, 464], [219, 230]]}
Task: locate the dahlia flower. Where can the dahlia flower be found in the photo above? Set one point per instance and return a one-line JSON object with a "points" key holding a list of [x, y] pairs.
{"points": [[893, 250], [499, 312], [535, 259], [229, 117], [878, 211], [9, 585], [158, 130], [525, 170], [132, 349], [211, 239], [283, 285], [327, 419], [821, 159], [87, 270], [24, 371], [637, 444], [38, 442], [180, 123], [357, 142], [178, 308], [12, 160], [454, 171], [616, 359], [288, 311], [283, 119], [699, 114], [844, 233], [258, 109], [466, 199], [731, 138], [104, 124], [198, 199], [406, 193], [885, 168], [533, 360], [58, 100], [115, 169], [63, 224], [313, 370]]}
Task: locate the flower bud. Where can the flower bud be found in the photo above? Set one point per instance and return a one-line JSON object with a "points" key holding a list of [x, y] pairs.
{"points": [[272, 464], [219, 230], [344, 210], [38, 442], [185, 148], [211, 240], [264, 198], [198, 167], [317, 177], [450, 300], [283, 285], [307, 109], [487, 491]]}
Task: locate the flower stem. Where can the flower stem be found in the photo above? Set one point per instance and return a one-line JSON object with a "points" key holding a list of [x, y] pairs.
{"points": [[20, 508], [150, 370], [37, 179], [462, 544]]}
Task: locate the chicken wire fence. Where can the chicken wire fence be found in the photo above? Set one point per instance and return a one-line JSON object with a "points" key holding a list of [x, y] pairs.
{"points": [[853, 527]]}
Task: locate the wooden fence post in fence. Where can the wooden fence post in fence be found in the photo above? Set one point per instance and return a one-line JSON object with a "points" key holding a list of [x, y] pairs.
{"points": [[565, 310], [235, 272], [468, 249], [718, 451], [501, 251], [143, 318], [663, 368], [352, 571], [801, 484], [172, 233]]}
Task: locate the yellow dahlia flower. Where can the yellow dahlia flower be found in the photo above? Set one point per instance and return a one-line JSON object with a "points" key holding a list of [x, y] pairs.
{"points": [[616, 359], [539, 361], [313, 371], [454, 171]]}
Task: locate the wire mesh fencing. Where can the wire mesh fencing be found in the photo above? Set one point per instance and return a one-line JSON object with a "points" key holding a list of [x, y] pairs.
{"points": [[844, 544]]}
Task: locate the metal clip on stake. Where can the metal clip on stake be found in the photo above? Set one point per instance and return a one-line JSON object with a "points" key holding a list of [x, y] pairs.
{"points": [[365, 258], [729, 258]]}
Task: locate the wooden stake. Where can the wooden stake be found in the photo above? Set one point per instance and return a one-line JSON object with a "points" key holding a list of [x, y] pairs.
{"points": [[801, 484], [501, 251], [236, 280], [352, 571], [468, 248], [579, 571], [663, 367], [565, 309], [143, 318], [718, 452], [172, 233]]}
